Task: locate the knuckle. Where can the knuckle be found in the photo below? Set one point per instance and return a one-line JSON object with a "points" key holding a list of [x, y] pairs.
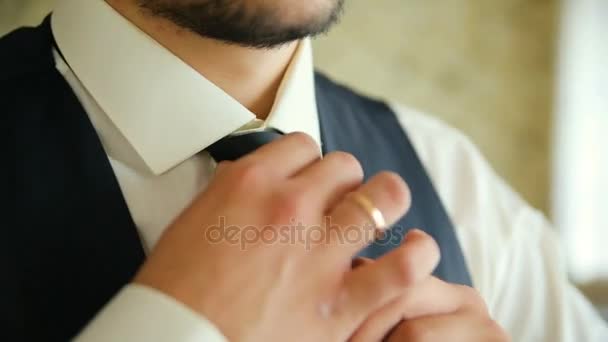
{"points": [[347, 161], [396, 188], [406, 269], [428, 241], [434, 248], [473, 298], [286, 206], [468, 292], [304, 140], [248, 174], [223, 165]]}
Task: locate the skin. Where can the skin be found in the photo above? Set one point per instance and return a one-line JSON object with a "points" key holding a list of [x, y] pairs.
{"points": [[394, 298], [430, 310]]}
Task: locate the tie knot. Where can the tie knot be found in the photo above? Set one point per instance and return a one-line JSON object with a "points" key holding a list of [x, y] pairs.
{"points": [[237, 145]]}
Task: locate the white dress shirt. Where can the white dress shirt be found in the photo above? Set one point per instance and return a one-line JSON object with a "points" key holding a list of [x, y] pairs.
{"points": [[154, 115]]}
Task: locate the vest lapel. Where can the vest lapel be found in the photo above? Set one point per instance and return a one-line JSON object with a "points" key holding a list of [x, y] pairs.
{"points": [[80, 245], [371, 132]]}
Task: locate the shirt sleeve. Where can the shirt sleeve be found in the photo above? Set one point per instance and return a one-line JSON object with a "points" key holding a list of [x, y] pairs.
{"points": [[512, 252], [139, 313]]}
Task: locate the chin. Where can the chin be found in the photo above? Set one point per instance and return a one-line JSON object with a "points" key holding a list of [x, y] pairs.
{"points": [[304, 12]]}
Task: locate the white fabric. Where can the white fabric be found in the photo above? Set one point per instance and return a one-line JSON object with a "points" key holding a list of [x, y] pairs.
{"points": [[163, 97], [510, 248], [139, 313]]}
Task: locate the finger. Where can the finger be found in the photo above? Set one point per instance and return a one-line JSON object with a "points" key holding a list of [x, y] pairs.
{"points": [[287, 155], [222, 166], [453, 327], [431, 296], [370, 287], [352, 227], [330, 179]]}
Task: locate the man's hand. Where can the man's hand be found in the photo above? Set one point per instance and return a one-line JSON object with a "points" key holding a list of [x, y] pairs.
{"points": [[457, 327], [261, 287], [429, 309]]}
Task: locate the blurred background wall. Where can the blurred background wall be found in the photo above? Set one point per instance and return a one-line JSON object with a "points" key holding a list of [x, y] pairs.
{"points": [[580, 162]]}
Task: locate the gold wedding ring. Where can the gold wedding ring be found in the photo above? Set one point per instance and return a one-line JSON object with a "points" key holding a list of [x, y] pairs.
{"points": [[372, 211]]}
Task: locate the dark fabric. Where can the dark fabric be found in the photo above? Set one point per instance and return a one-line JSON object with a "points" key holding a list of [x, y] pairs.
{"points": [[235, 146], [75, 244], [371, 132]]}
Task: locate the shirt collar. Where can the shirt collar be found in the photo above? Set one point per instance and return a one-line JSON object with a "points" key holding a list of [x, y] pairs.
{"points": [[165, 109]]}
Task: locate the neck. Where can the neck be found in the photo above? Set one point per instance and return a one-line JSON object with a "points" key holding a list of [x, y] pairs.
{"points": [[251, 76]]}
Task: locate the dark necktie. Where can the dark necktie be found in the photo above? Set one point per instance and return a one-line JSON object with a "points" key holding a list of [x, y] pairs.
{"points": [[235, 146]]}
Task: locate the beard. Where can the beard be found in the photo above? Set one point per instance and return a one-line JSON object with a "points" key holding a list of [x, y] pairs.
{"points": [[250, 23]]}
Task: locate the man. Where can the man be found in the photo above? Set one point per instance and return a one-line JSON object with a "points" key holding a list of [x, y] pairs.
{"points": [[122, 109]]}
